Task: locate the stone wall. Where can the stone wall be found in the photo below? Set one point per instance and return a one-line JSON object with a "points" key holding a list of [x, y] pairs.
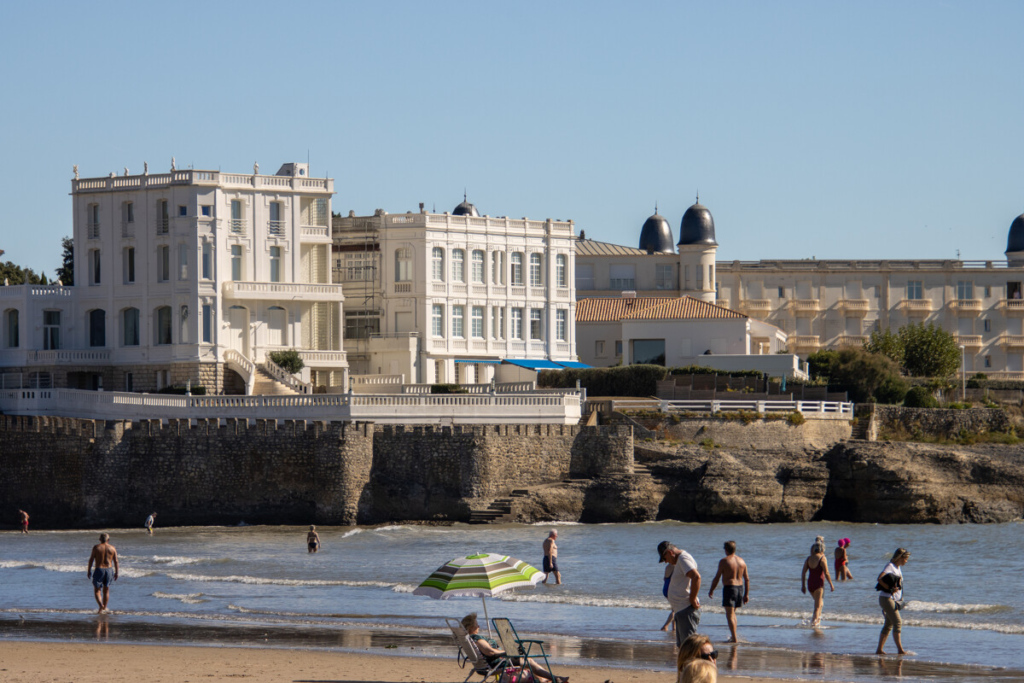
{"points": [[935, 422], [216, 377], [757, 434]]}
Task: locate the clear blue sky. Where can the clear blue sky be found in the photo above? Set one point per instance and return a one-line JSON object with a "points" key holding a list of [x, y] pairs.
{"points": [[835, 130]]}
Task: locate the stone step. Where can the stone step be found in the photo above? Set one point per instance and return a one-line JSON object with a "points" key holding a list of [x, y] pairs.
{"points": [[519, 493]]}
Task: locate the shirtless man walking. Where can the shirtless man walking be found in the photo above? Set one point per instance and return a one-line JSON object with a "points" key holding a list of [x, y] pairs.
{"points": [[23, 520], [551, 558], [103, 555], [732, 570]]}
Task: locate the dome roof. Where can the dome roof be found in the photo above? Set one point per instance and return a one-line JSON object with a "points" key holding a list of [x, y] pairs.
{"points": [[656, 235], [465, 208], [1015, 240], [697, 227]]}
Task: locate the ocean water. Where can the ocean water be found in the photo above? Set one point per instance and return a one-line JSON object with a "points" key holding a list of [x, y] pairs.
{"points": [[258, 586]]}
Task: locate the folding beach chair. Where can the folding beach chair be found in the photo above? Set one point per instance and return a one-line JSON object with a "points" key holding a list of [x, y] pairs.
{"points": [[469, 652], [516, 647]]}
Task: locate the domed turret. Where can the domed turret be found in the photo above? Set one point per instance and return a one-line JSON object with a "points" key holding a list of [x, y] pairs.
{"points": [[656, 235], [1015, 240], [465, 208], [697, 227]]}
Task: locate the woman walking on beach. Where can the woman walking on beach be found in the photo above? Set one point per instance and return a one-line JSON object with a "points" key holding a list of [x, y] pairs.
{"points": [[890, 586], [817, 566]]}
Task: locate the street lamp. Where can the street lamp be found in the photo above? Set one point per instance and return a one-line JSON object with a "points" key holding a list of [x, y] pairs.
{"points": [[963, 375]]}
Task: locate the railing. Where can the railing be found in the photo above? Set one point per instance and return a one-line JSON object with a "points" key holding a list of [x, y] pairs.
{"points": [[68, 356], [311, 231], [804, 341], [1012, 305], [289, 380], [969, 340], [851, 341], [194, 177], [966, 305], [760, 305], [237, 226], [275, 228], [271, 290], [240, 364], [127, 229], [163, 225], [379, 380], [497, 387], [921, 305], [1012, 341], [334, 358], [94, 231], [724, 303], [403, 287], [19, 291], [855, 305], [817, 408], [804, 305]]}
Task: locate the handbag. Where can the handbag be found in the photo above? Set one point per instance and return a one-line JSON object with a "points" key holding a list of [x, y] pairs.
{"points": [[512, 674]]}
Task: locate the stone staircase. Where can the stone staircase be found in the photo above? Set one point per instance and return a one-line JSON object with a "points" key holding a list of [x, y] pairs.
{"points": [[263, 383], [500, 510], [860, 428]]}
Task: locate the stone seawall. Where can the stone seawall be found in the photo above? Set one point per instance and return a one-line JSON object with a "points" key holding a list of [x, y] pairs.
{"points": [[886, 420]]}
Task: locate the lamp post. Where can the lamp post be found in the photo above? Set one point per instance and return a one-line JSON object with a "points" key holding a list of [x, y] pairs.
{"points": [[963, 375]]}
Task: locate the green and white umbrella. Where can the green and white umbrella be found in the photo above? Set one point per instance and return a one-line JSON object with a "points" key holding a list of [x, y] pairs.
{"points": [[482, 575]]}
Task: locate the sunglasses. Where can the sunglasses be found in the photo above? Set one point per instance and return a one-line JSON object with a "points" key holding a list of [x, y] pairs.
{"points": [[709, 655]]}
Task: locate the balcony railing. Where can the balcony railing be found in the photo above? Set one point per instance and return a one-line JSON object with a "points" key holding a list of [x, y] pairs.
{"points": [[916, 305], [163, 225], [971, 341], [1012, 341], [94, 231], [315, 232], [966, 305], [275, 228], [1012, 306], [804, 342], [854, 306], [269, 291], [803, 306], [127, 229], [756, 305], [851, 341], [237, 226]]}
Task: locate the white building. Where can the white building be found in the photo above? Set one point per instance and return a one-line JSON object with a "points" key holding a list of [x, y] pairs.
{"points": [[826, 303], [447, 297], [185, 277]]}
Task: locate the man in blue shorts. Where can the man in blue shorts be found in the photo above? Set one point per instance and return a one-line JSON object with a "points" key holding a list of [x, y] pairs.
{"points": [[104, 556], [551, 558]]}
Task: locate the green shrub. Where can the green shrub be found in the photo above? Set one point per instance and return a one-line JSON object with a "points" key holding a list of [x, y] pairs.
{"points": [[290, 361], [181, 390], [977, 380], [920, 397], [708, 443], [956, 405], [447, 389], [796, 418], [627, 380]]}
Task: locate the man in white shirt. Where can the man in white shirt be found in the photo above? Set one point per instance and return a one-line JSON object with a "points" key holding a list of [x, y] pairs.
{"points": [[683, 589]]}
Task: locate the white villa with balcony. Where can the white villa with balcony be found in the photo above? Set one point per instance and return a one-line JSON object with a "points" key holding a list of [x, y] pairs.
{"points": [[458, 297], [186, 277]]}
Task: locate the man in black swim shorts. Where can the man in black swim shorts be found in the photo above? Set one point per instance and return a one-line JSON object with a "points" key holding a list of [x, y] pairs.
{"points": [[732, 570], [551, 558]]}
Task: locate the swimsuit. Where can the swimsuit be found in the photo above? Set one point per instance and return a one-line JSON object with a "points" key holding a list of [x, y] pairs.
{"points": [[732, 596], [550, 564], [816, 579], [102, 576]]}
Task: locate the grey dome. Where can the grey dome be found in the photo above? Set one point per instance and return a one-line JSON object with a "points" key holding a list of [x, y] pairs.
{"points": [[697, 227], [465, 208], [656, 236], [1015, 240]]}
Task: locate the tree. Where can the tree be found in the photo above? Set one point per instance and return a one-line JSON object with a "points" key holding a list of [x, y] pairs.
{"points": [[66, 272], [866, 377], [289, 361], [16, 275], [929, 351], [821, 363], [887, 343]]}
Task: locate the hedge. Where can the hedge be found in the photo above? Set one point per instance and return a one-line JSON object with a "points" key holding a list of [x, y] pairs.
{"points": [[625, 380]]}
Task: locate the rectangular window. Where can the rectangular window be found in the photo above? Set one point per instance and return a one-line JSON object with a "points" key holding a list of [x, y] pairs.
{"points": [[182, 261], [51, 330], [130, 327], [914, 290], [782, 292], [458, 265], [599, 348], [536, 323], [517, 270], [237, 222], [359, 268], [94, 221], [361, 324], [988, 361], [478, 267], [478, 322], [964, 290], [457, 321], [236, 262], [584, 276], [561, 325], [206, 210], [207, 324], [276, 226], [988, 291], [275, 264], [163, 325], [94, 267], [561, 269], [497, 322], [437, 264], [536, 270], [663, 276], [128, 215], [182, 211], [437, 320], [11, 319], [129, 265], [618, 348], [163, 221], [207, 261], [163, 263], [987, 325], [517, 323], [403, 265], [622, 276]]}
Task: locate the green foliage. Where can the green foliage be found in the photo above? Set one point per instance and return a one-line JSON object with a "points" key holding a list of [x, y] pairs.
{"points": [[820, 363], [66, 272], [16, 275], [447, 389], [708, 443], [977, 380], [181, 390], [920, 397], [929, 351], [796, 418], [866, 377], [627, 380], [887, 343], [957, 405], [701, 370], [290, 361]]}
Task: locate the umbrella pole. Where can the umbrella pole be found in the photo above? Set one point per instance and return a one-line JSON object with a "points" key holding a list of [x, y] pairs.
{"points": [[484, 600]]}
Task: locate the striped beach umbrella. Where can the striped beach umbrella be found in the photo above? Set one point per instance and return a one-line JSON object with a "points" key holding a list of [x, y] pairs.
{"points": [[482, 575]]}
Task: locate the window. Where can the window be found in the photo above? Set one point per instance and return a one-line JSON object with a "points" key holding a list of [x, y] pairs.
{"points": [[163, 325], [599, 348], [622, 276], [94, 221], [163, 263], [403, 265], [237, 222], [782, 292], [162, 217], [94, 266], [478, 322], [361, 324], [51, 330], [236, 262], [97, 327], [536, 323], [182, 261], [987, 325], [207, 261], [128, 212], [129, 265], [497, 322], [914, 290], [478, 267], [438, 371], [988, 361], [561, 325], [206, 210], [457, 321], [277, 326], [275, 264], [648, 351], [988, 291], [130, 327], [458, 265], [498, 268], [517, 323], [359, 267], [663, 276], [584, 276], [11, 323], [129, 384], [182, 211], [207, 324], [964, 290], [561, 270], [276, 226], [517, 269], [536, 271], [437, 320], [618, 348], [437, 264]]}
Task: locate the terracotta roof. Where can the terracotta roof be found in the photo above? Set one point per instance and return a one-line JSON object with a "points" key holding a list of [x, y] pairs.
{"points": [[595, 248], [650, 308]]}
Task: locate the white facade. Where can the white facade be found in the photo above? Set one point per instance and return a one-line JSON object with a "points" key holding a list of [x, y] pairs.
{"points": [[442, 298], [185, 276]]}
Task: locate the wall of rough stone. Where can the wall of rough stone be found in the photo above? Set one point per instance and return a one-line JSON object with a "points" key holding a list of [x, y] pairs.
{"points": [[935, 422], [758, 434]]}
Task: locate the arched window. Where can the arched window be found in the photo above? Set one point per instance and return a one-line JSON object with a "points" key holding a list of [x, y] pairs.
{"points": [[458, 265], [11, 334], [437, 264], [162, 319], [478, 267], [97, 327], [536, 270], [130, 327]]}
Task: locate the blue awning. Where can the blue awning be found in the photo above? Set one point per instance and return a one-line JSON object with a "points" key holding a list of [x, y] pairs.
{"points": [[533, 364], [574, 365], [476, 360]]}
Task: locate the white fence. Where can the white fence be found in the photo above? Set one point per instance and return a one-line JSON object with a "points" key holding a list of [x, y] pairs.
{"points": [[388, 409], [834, 409]]}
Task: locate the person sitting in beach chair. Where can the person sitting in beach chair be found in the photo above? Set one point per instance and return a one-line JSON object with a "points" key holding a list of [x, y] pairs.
{"points": [[496, 656], [469, 652], [518, 650]]}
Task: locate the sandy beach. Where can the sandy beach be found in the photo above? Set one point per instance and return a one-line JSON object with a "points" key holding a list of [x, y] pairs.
{"points": [[31, 662]]}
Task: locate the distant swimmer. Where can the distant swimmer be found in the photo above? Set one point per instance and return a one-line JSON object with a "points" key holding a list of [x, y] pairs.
{"points": [[104, 556], [735, 585], [312, 540], [23, 520], [149, 522], [551, 558], [843, 561]]}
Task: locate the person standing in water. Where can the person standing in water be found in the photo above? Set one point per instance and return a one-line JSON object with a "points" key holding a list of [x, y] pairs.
{"points": [[890, 587], [103, 556], [149, 522], [732, 570], [23, 521], [551, 558], [312, 540], [843, 561], [817, 566]]}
